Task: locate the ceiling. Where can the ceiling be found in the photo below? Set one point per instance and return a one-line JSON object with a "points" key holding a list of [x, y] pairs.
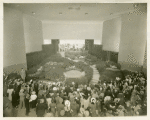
{"points": [[73, 11]]}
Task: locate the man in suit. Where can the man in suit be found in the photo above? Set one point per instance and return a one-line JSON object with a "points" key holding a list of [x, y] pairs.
{"points": [[41, 108], [27, 106]]}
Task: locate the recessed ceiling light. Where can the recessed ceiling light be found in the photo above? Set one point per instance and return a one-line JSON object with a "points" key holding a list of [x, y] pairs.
{"points": [[135, 5], [86, 13], [60, 13], [33, 13]]}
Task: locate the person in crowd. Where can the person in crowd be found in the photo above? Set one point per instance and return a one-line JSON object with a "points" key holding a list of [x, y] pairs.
{"points": [[67, 108], [27, 105], [10, 91], [33, 100], [41, 108], [93, 107], [53, 106], [59, 108], [23, 74], [14, 99], [74, 108], [36, 87], [22, 97], [49, 100], [121, 97]]}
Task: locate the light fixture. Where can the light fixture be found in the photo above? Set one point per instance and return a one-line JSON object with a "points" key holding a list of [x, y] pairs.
{"points": [[60, 13], [33, 13]]}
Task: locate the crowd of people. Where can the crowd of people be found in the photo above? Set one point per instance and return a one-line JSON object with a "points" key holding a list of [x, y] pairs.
{"points": [[126, 97]]}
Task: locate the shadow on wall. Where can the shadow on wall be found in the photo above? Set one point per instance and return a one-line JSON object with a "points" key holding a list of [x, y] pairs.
{"points": [[102, 54], [36, 58]]}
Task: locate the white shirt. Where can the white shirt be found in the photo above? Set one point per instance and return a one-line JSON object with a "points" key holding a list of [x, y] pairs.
{"points": [[9, 91], [33, 97], [49, 101]]}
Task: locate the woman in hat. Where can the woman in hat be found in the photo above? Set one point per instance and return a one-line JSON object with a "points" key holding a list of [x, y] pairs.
{"points": [[93, 107], [33, 99], [67, 108]]}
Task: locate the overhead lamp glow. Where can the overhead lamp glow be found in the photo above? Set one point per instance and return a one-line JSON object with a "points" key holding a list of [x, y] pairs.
{"points": [[33, 13], [60, 13]]}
